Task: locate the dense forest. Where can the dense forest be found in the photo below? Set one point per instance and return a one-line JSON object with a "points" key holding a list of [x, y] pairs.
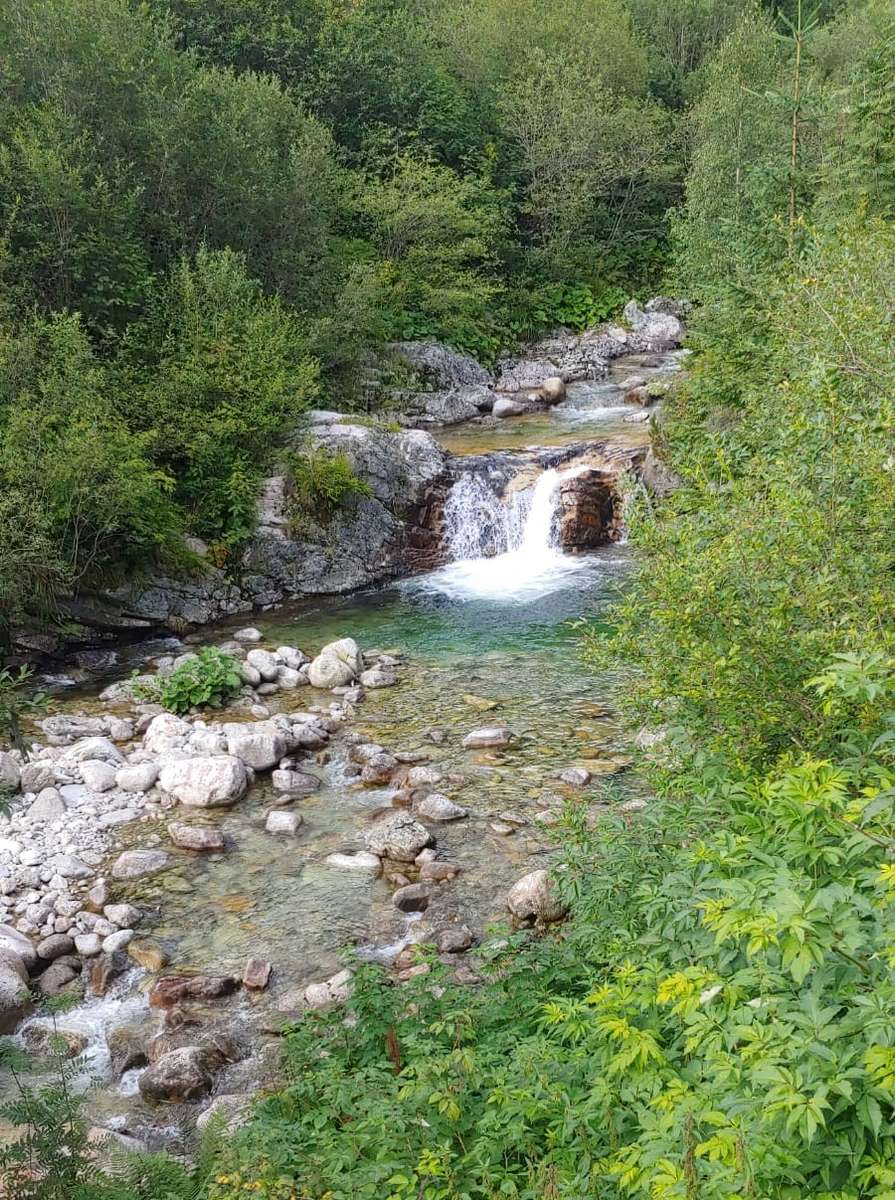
{"points": [[212, 212]]}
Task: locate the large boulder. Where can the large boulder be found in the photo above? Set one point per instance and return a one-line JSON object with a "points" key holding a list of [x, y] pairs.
{"points": [[654, 328], [398, 836], [166, 732], [177, 1077], [209, 781], [531, 898], [439, 364], [102, 749], [259, 746], [327, 671], [12, 940]]}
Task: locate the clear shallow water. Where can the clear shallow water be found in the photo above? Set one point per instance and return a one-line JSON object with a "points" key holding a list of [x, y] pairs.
{"points": [[591, 411]]}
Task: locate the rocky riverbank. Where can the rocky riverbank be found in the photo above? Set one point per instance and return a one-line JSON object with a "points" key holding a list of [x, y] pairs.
{"points": [[109, 803]]}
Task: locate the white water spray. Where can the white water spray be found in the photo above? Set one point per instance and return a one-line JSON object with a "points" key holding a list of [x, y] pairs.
{"points": [[504, 550]]}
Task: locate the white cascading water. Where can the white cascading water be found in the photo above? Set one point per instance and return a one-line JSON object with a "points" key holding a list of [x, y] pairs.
{"points": [[503, 550]]}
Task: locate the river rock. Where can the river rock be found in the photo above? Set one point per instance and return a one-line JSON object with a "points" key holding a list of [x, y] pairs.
{"points": [[14, 999], [398, 836], [334, 990], [98, 896], [62, 729], [361, 861], [98, 776], [56, 978], [46, 1040], [166, 732], [135, 864], [438, 872], [437, 807], [55, 946], [137, 777], [196, 837], [209, 781], [147, 954], [440, 365], [553, 389], [256, 974], [172, 989], [656, 329], [292, 657], [120, 940], [127, 1046], [49, 806], [379, 769], [69, 867], [283, 822], [454, 939], [179, 1076], [90, 749], [531, 898], [125, 916], [249, 634], [104, 970], [422, 776], [379, 677], [576, 777], [414, 897], [10, 772], [493, 735], [259, 746], [229, 1112], [504, 407], [264, 663], [294, 784], [329, 671], [35, 776], [88, 945]]}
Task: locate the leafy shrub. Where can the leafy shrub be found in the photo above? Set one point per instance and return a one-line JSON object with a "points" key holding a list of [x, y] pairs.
{"points": [[715, 1020], [208, 680], [321, 483], [220, 372], [17, 705], [89, 489]]}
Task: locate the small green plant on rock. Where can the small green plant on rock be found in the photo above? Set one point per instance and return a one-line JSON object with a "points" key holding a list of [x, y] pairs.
{"points": [[207, 680], [321, 484]]}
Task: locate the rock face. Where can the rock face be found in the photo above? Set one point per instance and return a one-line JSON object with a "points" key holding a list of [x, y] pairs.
{"points": [[531, 898], [378, 536], [439, 364], [205, 781], [591, 510]]}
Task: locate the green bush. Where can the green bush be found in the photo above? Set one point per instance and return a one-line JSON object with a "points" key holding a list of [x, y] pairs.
{"points": [[206, 681], [220, 374]]}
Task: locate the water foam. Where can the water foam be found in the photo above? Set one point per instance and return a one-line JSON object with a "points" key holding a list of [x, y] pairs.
{"points": [[504, 551]]}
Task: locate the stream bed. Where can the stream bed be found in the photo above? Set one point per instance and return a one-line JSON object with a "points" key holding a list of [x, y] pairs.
{"points": [[481, 641]]}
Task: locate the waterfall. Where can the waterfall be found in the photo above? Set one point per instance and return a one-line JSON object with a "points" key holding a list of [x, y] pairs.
{"points": [[478, 524], [505, 550]]}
